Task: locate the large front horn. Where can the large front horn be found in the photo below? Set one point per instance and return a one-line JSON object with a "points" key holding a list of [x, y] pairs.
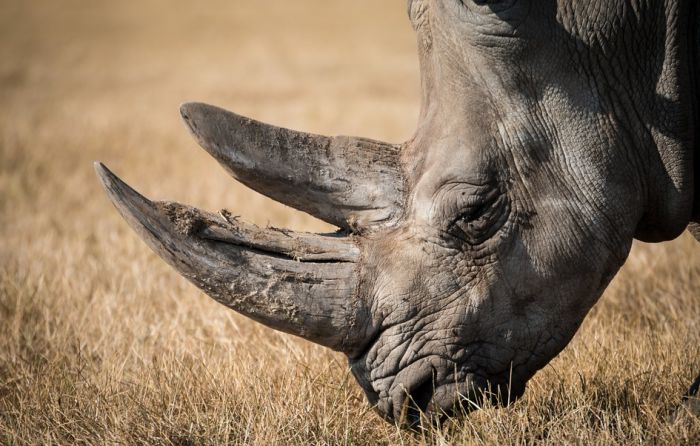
{"points": [[353, 183], [303, 284]]}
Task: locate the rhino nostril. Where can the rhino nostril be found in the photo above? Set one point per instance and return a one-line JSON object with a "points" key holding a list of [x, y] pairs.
{"points": [[418, 400]]}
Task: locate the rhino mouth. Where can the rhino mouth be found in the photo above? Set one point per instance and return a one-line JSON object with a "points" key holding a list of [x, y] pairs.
{"points": [[437, 404], [435, 388], [434, 403], [422, 393]]}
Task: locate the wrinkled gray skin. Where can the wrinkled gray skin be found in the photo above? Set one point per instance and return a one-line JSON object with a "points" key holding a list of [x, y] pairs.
{"points": [[551, 134]]}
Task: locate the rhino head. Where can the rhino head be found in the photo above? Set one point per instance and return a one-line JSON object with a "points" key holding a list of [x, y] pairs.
{"points": [[550, 135]]}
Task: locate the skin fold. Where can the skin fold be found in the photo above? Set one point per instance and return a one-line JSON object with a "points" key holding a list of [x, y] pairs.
{"points": [[551, 134]]}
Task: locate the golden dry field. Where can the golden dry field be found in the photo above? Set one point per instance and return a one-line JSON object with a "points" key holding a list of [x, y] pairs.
{"points": [[102, 343]]}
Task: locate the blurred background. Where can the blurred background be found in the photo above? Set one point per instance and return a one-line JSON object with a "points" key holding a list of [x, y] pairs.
{"points": [[101, 342], [103, 80]]}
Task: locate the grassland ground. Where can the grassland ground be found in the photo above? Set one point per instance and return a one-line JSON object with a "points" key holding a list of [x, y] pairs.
{"points": [[100, 342]]}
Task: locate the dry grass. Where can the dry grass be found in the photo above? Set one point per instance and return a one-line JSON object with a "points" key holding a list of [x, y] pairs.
{"points": [[100, 342]]}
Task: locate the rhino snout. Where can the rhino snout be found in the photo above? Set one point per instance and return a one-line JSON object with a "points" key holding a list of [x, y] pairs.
{"points": [[425, 392]]}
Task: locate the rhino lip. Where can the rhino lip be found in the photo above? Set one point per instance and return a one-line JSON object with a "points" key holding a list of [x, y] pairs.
{"points": [[426, 400], [300, 283]]}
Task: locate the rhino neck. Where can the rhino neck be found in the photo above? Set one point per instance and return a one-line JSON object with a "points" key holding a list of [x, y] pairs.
{"points": [[665, 107], [640, 63], [695, 54]]}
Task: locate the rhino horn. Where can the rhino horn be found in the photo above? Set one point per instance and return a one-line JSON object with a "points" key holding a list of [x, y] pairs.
{"points": [[352, 183], [299, 283]]}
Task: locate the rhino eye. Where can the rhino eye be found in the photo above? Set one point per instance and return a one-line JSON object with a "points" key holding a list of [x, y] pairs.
{"points": [[480, 222]]}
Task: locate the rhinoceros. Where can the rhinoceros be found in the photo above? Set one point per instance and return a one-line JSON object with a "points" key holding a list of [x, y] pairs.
{"points": [[551, 135]]}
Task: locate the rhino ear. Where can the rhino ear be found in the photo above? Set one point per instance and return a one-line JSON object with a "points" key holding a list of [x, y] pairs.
{"points": [[353, 183]]}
